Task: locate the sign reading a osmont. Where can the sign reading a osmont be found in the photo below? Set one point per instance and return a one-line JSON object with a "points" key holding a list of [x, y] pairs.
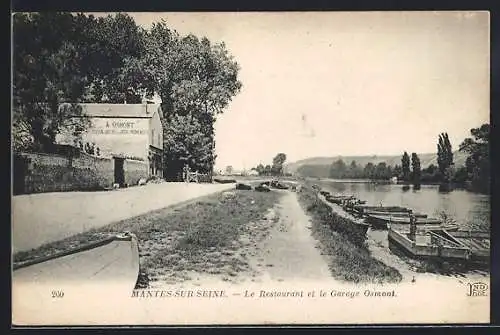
{"points": [[118, 127]]}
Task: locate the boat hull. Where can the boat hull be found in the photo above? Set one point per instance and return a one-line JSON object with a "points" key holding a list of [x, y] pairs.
{"points": [[112, 260]]}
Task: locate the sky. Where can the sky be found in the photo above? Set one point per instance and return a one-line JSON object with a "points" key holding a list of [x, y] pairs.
{"points": [[345, 83]]}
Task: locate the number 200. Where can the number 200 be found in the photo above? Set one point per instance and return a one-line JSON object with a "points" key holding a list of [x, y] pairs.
{"points": [[57, 294]]}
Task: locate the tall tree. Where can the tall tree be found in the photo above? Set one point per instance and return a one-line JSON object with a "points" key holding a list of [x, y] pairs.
{"points": [[405, 166], [278, 162], [193, 78], [47, 72], [260, 169], [478, 161], [416, 169], [444, 156]]}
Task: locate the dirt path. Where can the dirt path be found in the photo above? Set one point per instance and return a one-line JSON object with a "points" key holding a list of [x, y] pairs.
{"points": [[277, 249], [289, 252]]}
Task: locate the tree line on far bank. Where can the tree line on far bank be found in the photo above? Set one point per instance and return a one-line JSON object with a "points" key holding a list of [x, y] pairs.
{"points": [[274, 169], [475, 175]]}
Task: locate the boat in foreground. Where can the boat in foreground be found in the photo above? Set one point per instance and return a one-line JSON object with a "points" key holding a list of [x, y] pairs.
{"points": [[382, 221], [442, 244], [114, 259]]}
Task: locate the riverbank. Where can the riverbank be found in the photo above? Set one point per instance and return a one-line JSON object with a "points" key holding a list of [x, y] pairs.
{"points": [[349, 256]]}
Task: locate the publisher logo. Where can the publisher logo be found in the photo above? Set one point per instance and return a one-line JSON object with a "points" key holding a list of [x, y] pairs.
{"points": [[477, 289]]}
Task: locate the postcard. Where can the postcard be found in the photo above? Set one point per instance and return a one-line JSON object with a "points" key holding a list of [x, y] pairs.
{"points": [[250, 168]]}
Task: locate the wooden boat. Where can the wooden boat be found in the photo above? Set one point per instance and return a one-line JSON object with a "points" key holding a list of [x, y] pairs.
{"points": [[427, 244], [443, 244], [364, 208], [478, 242], [394, 214], [336, 199], [381, 221], [402, 227], [355, 224], [114, 259]]}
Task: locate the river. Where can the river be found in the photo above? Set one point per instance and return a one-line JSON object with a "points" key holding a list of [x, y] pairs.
{"points": [[469, 210]]}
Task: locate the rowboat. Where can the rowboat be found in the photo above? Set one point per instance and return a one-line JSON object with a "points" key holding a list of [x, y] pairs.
{"points": [[381, 221], [338, 199], [394, 214], [353, 223], [114, 259], [403, 227], [443, 244], [364, 208]]}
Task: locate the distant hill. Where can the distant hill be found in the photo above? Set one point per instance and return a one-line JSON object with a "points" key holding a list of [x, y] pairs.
{"points": [[320, 166]]}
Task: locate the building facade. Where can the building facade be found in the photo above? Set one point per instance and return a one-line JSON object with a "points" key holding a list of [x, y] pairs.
{"points": [[127, 133]]}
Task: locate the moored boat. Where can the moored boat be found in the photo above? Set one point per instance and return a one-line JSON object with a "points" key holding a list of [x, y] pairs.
{"points": [[382, 221], [394, 214], [364, 208], [443, 244]]}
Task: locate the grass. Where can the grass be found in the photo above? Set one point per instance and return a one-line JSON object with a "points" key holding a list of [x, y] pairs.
{"points": [[349, 257], [201, 236]]}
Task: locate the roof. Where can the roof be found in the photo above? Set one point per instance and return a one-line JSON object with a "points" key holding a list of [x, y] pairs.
{"points": [[120, 110]]}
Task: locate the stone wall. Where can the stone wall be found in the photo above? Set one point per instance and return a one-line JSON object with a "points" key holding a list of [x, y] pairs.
{"points": [[37, 173]]}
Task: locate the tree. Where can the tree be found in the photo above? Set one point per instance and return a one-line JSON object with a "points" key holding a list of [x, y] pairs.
{"points": [[416, 170], [267, 170], [65, 58], [382, 171], [354, 171], [278, 161], [478, 161], [260, 169], [193, 78], [405, 166], [444, 156], [48, 71], [369, 170], [397, 171], [338, 169], [229, 170]]}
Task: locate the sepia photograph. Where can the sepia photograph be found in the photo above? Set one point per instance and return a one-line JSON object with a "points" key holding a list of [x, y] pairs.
{"points": [[250, 168]]}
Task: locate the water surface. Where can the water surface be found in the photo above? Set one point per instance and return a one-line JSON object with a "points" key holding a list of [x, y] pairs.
{"points": [[469, 210]]}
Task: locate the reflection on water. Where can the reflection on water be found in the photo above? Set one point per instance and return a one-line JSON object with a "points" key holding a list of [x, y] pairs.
{"points": [[470, 210]]}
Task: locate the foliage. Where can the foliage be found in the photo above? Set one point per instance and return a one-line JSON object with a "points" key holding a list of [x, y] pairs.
{"points": [[478, 161], [276, 169], [195, 80], [405, 166], [445, 157], [381, 171], [278, 161], [416, 169]]}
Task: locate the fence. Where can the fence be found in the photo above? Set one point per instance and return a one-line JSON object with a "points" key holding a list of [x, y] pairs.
{"points": [[197, 177]]}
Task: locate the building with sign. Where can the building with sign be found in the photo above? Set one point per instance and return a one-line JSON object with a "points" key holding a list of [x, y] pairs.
{"points": [[124, 132]]}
